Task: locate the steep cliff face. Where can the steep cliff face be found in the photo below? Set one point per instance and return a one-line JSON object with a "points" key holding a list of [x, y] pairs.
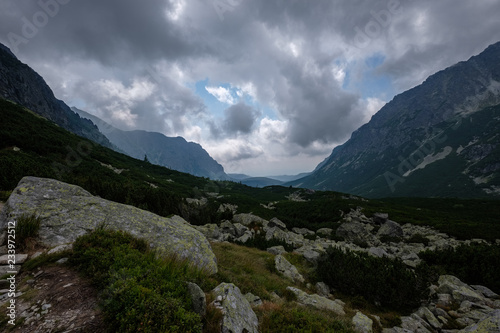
{"points": [[437, 139], [174, 153], [22, 85]]}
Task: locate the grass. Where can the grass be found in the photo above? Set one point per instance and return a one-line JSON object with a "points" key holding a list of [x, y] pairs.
{"points": [[27, 229]]}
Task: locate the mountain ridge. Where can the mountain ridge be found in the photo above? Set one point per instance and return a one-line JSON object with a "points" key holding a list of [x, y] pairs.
{"points": [[368, 163]]}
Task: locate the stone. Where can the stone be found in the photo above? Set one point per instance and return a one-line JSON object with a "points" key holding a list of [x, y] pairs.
{"points": [[18, 259], [248, 219], [238, 315], [362, 323], [324, 232], [60, 248], [287, 269], [198, 299], [245, 237], [309, 253], [253, 300], [239, 229], [9, 270], [322, 289], [380, 218], [414, 324], [357, 233], [390, 229], [426, 314], [211, 231], [317, 301], [490, 324], [68, 211], [275, 222], [227, 227], [303, 231], [460, 291], [276, 250], [485, 291], [377, 252]]}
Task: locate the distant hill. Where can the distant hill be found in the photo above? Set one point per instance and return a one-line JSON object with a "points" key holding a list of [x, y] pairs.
{"points": [[22, 85], [174, 153], [439, 139], [263, 181]]}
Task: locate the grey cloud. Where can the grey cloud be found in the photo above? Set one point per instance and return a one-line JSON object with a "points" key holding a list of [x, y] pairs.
{"points": [[239, 118]]}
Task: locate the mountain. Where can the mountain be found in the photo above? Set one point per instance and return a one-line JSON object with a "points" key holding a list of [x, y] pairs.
{"points": [[22, 85], [264, 181], [174, 153], [439, 139]]}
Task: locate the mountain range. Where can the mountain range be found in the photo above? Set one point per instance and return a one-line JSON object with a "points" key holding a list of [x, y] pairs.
{"points": [[439, 139], [172, 152]]}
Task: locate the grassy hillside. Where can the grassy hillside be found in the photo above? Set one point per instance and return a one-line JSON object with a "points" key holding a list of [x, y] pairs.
{"points": [[33, 146]]}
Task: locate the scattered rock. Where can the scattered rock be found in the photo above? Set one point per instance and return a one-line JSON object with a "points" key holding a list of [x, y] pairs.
{"points": [[253, 300], [276, 223], [238, 314], [390, 229], [362, 323], [276, 250], [198, 298], [287, 269], [322, 289], [248, 219], [318, 302]]}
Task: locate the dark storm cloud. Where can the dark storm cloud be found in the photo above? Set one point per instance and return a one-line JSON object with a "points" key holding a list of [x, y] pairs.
{"points": [[240, 118]]}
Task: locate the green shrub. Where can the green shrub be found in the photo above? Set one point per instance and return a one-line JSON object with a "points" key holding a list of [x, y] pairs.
{"points": [[378, 280], [27, 229], [140, 292], [418, 238], [473, 264]]}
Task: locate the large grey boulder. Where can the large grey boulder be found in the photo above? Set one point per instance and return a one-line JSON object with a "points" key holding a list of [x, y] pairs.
{"points": [[248, 219], [198, 299], [356, 232], [459, 291], [287, 269], [390, 229], [318, 302], [490, 324], [362, 323], [68, 211], [238, 314]]}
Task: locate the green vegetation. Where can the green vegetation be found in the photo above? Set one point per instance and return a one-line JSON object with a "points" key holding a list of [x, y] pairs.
{"points": [[472, 264], [140, 291], [387, 282], [27, 228]]}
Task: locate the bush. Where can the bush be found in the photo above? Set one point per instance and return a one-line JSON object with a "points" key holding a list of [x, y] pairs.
{"points": [[141, 292], [418, 238], [473, 264], [378, 280], [27, 229]]}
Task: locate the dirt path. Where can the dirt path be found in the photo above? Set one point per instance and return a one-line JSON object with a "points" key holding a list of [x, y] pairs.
{"points": [[57, 299]]}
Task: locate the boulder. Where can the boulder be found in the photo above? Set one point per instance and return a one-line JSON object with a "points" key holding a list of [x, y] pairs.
{"points": [[490, 324], [318, 302], [68, 211], [239, 229], [253, 300], [380, 218], [211, 231], [228, 228], [322, 289], [198, 299], [248, 219], [459, 291], [378, 252], [325, 232], [287, 269], [356, 232], [276, 250], [245, 237], [390, 229], [275, 222], [362, 323], [303, 231], [486, 292], [238, 315]]}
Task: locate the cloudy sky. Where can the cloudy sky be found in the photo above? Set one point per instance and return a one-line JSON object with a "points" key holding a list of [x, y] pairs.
{"points": [[267, 87]]}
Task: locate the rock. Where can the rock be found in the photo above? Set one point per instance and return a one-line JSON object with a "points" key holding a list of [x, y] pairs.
{"points": [[485, 291], [287, 269], [238, 314], [377, 252], [198, 299], [227, 227], [248, 219], [324, 232], [322, 289], [275, 222], [68, 211], [239, 229], [415, 324], [245, 237], [18, 259], [8, 269], [276, 250], [309, 254], [356, 232], [303, 231], [390, 229], [460, 291], [253, 300], [490, 324], [290, 238], [426, 314], [60, 248], [380, 218], [362, 323], [317, 301], [211, 231]]}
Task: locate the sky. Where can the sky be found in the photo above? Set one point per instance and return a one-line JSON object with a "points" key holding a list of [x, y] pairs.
{"points": [[267, 87]]}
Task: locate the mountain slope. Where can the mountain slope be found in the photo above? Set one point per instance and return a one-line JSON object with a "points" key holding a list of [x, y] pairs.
{"points": [[437, 139], [22, 85], [174, 153]]}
